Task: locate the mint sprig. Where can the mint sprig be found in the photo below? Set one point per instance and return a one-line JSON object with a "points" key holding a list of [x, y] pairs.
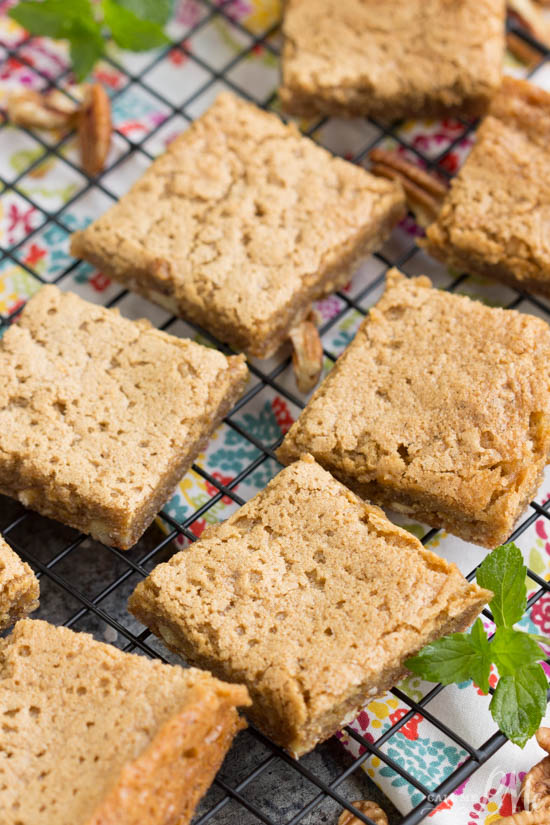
{"points": [[519, 701], [133, 24]]}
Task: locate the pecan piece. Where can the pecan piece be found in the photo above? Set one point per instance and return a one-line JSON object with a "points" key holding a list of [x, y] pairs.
{"points": [[522, 51], [307, 355], [370, 809], [424, 191], [541, 817], [532, 19], [543, 739], [535, 788], [94, 129], [33, 110]]}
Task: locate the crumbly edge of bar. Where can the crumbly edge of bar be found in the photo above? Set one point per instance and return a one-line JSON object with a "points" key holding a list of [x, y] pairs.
{"points": [[324, 727], [524, 108], [18, 597], [489, 530], [113, 525], [302, 94], [302, 101], [532, 278], [148, 277], [169, 778], [284, 730]]}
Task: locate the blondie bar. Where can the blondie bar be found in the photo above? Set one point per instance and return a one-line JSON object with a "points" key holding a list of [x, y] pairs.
{"points": [[241, 224], [101, 416], [19, 589], [95, 736], [439, 408], [391, 59], [495, 218], [311, 598]]}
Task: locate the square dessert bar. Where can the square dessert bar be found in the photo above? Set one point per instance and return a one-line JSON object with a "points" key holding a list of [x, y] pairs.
{"points": [[241, 224], [391, 59], [439, 408], [19, 589], [95, 736], [495, 218], [101, 416], [311, 598]]}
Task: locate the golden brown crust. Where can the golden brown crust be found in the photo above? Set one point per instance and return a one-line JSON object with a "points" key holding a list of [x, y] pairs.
{"points": [[101, 737], [101, 416], [448, 420], [525, 107], [165, 783], [267, 599], [241, 224], [391, 59]]}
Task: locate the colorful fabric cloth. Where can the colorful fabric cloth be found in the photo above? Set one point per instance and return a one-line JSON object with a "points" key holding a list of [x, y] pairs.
{"points": [[151, 112]]}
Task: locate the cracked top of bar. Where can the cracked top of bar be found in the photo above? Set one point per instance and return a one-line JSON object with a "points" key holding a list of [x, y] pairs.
{"points": [[241, 224], [95, 735], [310, 597], [100, 416], [439, 408], [494, 221], [391, 59]]}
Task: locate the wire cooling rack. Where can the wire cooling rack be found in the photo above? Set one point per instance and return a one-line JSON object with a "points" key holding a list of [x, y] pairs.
{"points": [[250, 787]]}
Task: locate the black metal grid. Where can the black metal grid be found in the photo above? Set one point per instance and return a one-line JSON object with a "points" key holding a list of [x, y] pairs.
{"points": [[19, 525]]}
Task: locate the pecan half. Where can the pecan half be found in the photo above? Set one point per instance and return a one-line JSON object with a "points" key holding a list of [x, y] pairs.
{"points": [[370, 809], [307, 355], [543, 739], [531, 17], [424, 191], [535, 788], [33, 110], [522, 51], [94, 129], [541, 817]]}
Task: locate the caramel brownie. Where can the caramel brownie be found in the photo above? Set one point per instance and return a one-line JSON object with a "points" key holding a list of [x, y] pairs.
{"points": [[439, 408], [311, 598], [100, 416], [391, 59], [241, 224]]}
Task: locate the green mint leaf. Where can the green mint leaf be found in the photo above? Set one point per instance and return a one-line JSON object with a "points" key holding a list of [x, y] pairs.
{"points": [[519, 703], [481, 665], [455, 658], [51, 18], [503, 572], [129, 32], [87, 46], [511, 649], [156, 11]]}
